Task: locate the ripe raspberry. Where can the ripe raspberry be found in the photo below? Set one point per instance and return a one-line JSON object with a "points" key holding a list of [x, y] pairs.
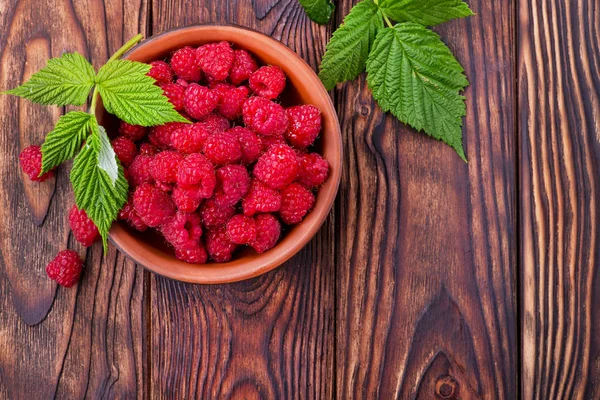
{"points": [[154, 206], [261, 198], [83, 227], [305, 125], [269, 141], [268, 81], [164, 186], [160, 136], [214, 216], [175, 93], [187, 200], [132, 218], [31, 164], [199, 101], [215, 59], [66, 268], [231, 99], [296, 202], [268, 230], [164, 166], [133, 132], [196, 170], [125, 150], [183, 231], [190, 138], [278, 167], [140, 170], [241, 229], [194, 255], [250, 142], [314, 170], [216, 123], [243, 66], [264, 117], [218, 245], [182, 82], [148, 149], [223, 148], [160, 71], [185, 64], [232, 184]]}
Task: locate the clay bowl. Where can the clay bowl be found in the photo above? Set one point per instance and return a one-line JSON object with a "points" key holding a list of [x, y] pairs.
{"points": [[303, 87]]}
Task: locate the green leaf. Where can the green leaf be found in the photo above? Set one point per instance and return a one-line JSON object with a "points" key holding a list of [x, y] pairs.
{"points": [[349, 47], [414, 75], [319, 11], [64, 80], [132, 96], [65, 140], [98, 181], [425, 12]]}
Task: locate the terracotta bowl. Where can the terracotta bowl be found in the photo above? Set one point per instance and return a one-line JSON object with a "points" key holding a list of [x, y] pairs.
{"points": [[303, 87]]}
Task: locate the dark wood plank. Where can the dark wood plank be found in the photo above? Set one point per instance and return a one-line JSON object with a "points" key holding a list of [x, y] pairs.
{"points": [[559, 132], [69, 343], [427, 256], [270, 337]]}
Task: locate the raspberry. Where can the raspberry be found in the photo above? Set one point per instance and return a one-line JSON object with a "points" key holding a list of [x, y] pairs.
{"points": [[241, 229], [218, 245], [268, 230], [214, 216], [160, 136], [223, 148], [185, 64], [231, 99], [83, 227], [268, 81], [278, 167], [296, 202], [182, 82], [215, 59], [125, 150], [196, 170], [187, 200], [251, 144], [232, 184], [66, 268], [164, 166], [268, 141], [132, 218], [175, 93], [305, 125], [190, 138], [31, 163], [133, 132], [215, 123], [160, 71], [154, 206], [164, 186], [314, 170], [242, 68], [194, 255], [261, 198], [183, 231], [264, 117], [199, 101], [148, 149], [140, 170]]}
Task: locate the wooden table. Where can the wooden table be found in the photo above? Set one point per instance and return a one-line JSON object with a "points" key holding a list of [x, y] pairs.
{"points": [[431, 277]]}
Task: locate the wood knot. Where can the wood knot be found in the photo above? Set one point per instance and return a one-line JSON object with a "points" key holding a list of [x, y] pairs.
{"points": [[364, 111], [446, 388]]}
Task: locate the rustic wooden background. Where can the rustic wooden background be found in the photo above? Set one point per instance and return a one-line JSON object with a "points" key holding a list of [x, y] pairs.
{"points": [[430, 275]]}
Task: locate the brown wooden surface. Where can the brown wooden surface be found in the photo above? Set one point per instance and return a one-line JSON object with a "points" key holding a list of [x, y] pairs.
{"points": [[414, 286]]}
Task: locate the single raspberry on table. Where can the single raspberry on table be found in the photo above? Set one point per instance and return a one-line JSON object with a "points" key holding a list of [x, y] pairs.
{"points": [[314, 170], [267, 81], [215, 123], [190, 138], [222, 148], [215, 60], [305, 125], [129, 215], [278, 167], [251, 144], [31, 164], [133, 132], [261, 198], [197, 171], [183, 231], [268, 230], [160, 71], [65, 269], [214, 216], [84, 229], [185, 64], [164, 166], [264, 116], [148, 149], [193, 255], [242, 67], [125, 150], [160, 136], [233, 182], [296, 202], [268, 141], [218, 245], [200, 101], [140, 170], [154, 206], [175, 93], [187, 200], [241, 229], [231, 99]]}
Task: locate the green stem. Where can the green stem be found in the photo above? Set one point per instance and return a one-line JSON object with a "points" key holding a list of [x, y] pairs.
{"points": [[387, 20]]}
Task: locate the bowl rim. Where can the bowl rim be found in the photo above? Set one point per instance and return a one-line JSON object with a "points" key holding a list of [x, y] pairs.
{"points": [[261, 263]]}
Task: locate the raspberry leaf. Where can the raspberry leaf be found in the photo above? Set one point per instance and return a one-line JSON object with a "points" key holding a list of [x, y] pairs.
{"points": [[319, 11], [425, 12], [64, 80], [349, 47], [132, 96], [412, 73]]}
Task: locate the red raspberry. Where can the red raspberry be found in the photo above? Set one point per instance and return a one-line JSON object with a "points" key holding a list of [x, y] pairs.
{"points": [[268, 230], [133, 132], [305, 125], [190, 138], [164, 186], [261, 198], [187, 200], [196, 170], [140, 170], [241, 229], [129, 215], [160, 71], [223, 148], [164, 166], [185, 64], [268, 141], [243, 66], [218, 245], [66, 268], [215, 59], [154, 206], [216, 123], [148, 149], [314, 170], [278, 167], [182, 82], [250, 142], [232, 184], [175, 93], [296, 202], [183, 231], [231, 99], [268, 81], [160, 136], [31, 164], [125, 150], [83, 227], [200, 101], [214, 216], [194, 255], [264, 117]]}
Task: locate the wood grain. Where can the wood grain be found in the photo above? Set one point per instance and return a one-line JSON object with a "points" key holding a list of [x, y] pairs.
{"points": [[559, 132]]}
